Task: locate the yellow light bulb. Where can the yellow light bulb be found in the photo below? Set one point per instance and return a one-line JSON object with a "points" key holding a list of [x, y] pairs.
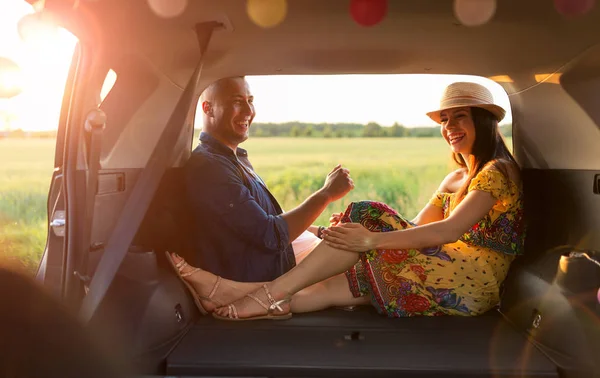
{"points": [[267, 13]]}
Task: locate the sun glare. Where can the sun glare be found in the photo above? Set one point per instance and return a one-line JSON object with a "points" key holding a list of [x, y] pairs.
{"points": [[43, 53]]}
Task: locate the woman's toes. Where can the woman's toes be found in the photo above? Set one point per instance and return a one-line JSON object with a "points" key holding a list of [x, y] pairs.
{"points": [[175, 257]]}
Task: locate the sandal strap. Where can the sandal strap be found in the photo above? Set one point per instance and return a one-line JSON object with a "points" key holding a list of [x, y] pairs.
{"points": [[231, 310], [187, 274], [257, 300], [180, 265], [269, 296], [274, 305], [215, 287], [277, 306]]}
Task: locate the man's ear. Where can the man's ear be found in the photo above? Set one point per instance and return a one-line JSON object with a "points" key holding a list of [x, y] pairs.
{"points": [[207, 108]]}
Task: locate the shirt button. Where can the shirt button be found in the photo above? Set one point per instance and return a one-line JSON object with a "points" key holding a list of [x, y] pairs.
{"points": [[230, 205]]}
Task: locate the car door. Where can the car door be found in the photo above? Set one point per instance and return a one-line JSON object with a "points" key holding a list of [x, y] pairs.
{"points": [[50, 269]]}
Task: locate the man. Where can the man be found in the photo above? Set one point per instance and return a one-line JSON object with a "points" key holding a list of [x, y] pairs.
{"points": [[243, 234]]}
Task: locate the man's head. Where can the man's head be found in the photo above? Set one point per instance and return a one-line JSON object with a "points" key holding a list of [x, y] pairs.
{"points": [[228, 110]]}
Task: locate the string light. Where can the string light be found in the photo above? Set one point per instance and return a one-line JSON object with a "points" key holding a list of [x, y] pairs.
{"points": [[266, 13], [574, 8], [168, 8], [474, 12], [368, 12]]}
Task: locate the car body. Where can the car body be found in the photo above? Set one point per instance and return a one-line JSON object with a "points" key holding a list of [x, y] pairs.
{"points": [[104, 254]]}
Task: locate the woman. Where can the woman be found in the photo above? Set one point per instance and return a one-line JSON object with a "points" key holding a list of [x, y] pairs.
{"points": [[450, 260]]}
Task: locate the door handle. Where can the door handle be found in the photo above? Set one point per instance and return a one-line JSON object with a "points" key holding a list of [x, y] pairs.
{"points": [[58, 223]]}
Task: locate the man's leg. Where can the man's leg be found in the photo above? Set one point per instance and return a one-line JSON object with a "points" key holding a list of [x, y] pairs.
{"points": [[204, 282]]}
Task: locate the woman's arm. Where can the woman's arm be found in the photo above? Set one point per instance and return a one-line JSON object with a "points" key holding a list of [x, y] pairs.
{"points": [[431, 213], [354, 237], [428, 214]]}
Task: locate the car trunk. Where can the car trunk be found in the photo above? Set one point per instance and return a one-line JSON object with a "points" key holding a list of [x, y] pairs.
{"points": [[152, 312], [543, 328], [361, 343]]}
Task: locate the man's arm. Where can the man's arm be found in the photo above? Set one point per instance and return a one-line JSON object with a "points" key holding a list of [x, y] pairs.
{"points": [[337, 184]]}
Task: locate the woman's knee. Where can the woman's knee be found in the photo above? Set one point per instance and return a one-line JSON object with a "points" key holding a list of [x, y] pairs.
{"points": [[356, 211]]}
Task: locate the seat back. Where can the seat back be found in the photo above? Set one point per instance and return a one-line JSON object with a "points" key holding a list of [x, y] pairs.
{"points": [[169, 223]]}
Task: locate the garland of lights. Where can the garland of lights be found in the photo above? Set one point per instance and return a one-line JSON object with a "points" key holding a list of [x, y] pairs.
{"points": [[366, 13], [269, 13]]}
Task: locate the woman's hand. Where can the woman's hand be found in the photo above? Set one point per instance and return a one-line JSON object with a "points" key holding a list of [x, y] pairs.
{"points": [[350, 237], [335, 218]]}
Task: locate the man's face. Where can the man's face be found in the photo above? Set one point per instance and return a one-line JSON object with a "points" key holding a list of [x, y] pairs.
{"points": [[231, 111]]}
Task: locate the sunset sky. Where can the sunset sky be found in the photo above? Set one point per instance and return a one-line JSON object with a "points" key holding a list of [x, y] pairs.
{"points": [[384, 99]]}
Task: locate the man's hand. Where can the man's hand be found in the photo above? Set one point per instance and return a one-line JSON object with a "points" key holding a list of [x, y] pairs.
{"points": [[335, 219], [338, 183]]}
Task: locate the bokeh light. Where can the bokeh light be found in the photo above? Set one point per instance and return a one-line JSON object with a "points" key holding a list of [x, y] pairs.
{"points": [[266, 13], [474, 12], [574, 8], [168, 8], [38, 29], [368, 12], [11, 80]]}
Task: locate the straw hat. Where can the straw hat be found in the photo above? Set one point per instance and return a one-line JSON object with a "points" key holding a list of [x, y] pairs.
{"points": [[463, 94]]}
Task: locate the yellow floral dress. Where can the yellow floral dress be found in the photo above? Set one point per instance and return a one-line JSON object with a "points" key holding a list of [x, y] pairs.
{"points": [[460, 278]]}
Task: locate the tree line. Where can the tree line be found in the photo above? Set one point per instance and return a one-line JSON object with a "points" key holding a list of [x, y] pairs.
{"points": [[349, 130], [308, 130]]}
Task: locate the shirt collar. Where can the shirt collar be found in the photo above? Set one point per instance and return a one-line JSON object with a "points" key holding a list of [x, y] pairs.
{"points": [[211, 141]]}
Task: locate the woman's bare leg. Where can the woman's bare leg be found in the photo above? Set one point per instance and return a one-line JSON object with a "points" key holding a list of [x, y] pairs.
{"points": [[227, 291], [333, 291], [322, 263]]}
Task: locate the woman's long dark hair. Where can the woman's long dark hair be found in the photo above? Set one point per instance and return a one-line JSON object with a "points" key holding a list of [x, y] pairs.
{"points": [[489, 146]]}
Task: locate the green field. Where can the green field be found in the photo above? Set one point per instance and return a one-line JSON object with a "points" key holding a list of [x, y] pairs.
{"points": [[402, 172], [26, 170]]}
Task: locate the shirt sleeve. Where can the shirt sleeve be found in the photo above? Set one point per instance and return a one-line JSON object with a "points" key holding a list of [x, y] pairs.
{"points": [[217, 192], [493, 182], [437, 199]]}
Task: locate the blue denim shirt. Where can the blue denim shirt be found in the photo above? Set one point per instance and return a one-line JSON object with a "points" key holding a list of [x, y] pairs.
{"points": [[240, 234]]}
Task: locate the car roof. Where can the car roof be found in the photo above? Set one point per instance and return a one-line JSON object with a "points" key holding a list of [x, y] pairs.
{"points": [[545, 61], [319, 37]]}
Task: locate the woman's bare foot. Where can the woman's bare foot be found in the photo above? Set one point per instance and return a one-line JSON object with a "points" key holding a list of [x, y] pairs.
{"points": [[204, 284], [261, 303]]}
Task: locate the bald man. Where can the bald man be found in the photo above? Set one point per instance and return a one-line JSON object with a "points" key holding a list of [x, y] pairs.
{"points": [[242, 232]]}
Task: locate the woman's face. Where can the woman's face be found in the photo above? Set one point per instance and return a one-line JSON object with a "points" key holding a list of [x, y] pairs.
{"points": [[458, 129]]}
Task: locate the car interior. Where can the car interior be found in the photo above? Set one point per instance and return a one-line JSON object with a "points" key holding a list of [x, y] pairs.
{"points": [[118, 183]]}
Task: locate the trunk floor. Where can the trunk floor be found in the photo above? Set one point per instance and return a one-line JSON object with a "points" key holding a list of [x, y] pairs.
{"points": [[360, 343]]}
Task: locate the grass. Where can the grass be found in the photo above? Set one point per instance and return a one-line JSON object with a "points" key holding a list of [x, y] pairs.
{"points": [[26, 171], [400, 172]]}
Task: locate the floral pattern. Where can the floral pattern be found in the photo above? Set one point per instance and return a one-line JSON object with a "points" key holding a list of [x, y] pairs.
{"points": [[461, 278], [503, 228]]}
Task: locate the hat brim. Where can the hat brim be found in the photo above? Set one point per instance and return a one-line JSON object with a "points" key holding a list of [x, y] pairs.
{"points": [[496, 110]]}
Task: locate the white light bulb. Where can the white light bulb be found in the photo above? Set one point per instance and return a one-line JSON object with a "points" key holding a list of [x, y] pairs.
{"points": [[167, 8], [474, 12]]}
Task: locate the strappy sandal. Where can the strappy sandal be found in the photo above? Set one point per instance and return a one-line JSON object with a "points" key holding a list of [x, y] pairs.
{"points": [[232, 314], [197, 297]]}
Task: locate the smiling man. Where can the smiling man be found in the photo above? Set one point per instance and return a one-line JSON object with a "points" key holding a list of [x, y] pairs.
{"points": [[242, 232]]}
